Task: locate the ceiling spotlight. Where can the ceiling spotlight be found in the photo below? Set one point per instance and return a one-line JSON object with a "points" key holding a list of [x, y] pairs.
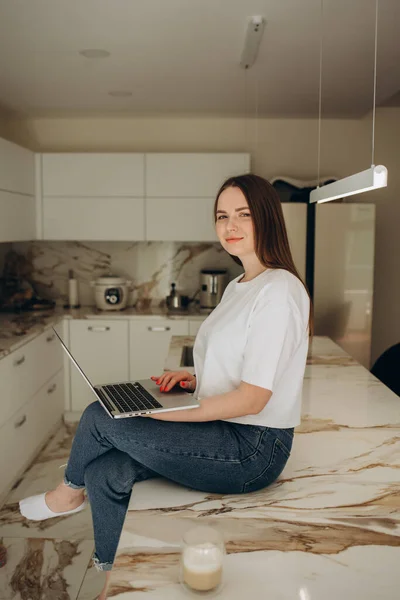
{"points": [[254, 33], [93, 53], [120, 93]]}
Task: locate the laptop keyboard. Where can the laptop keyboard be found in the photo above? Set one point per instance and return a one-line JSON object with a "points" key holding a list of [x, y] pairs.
{"points": [[129, 397]]}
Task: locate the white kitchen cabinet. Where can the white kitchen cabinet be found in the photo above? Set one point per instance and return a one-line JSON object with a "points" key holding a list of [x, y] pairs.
{"points": [[112, 218], [131, 197], [17, 193], [17, 217], [25, 433], [194, 326], [17, 168], [25, 370], [32, 403], [191, 175], [93, 174], [101, 349], [149, 340], [180, 219], [296, 225]]}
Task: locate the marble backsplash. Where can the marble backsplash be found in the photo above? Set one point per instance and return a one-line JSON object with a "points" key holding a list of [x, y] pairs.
{"points": [[151, 266]]}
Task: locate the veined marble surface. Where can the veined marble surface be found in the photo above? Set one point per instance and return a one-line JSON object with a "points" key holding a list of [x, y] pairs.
{"points": [[18, 329], [151, 266], [328, 528]]}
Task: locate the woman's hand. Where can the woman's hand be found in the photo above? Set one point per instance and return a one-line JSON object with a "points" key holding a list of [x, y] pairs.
{"points": [[167, 380]]}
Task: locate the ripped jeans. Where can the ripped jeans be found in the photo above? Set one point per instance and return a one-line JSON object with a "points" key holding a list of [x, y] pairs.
{"points": [[109, 456]]}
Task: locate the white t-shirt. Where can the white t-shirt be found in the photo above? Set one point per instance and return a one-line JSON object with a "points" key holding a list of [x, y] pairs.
{"points": [[258, 334]]}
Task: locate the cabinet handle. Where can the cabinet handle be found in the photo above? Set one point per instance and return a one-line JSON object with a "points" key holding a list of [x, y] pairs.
{"points": [[98, 328], [21, 422], [19, 361], [159, 328], [52, 388], [50, 338]]}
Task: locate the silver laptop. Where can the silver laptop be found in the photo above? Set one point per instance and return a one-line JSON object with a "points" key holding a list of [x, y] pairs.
{"points": [[134, 398]]}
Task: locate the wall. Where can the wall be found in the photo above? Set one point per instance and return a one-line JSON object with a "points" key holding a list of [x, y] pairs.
{"points": [[278, 147], [151, 266]]}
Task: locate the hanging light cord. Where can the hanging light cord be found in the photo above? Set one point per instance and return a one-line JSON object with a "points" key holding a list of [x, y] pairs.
{"points": [[256, 123], [374, 101], [320, 93]]}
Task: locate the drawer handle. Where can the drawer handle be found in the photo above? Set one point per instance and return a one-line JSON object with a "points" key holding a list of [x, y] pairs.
{"points": [[50, 338], [98, 328], [52, 388], [19, 361], [159, 328], [21, 422]]}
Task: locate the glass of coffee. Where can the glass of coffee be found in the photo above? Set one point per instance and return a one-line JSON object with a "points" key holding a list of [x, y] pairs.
{"points": [[203, 552]]}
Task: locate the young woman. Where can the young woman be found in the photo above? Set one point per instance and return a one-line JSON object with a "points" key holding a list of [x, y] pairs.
{"points": [[249, 356]]}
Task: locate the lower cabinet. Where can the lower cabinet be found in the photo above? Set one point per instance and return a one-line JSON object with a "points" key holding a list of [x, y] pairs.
{"points": [[28, 430], [194, 326], [100, 347], [115, 349], [149, 341]]}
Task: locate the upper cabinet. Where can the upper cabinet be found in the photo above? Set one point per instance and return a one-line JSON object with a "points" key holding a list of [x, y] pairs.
{"points": [[93, 175], [181, 190], [82, 219], [17, 193], [197, 175], [17, 217], [125, 196], [180, 220], [17, 168], [92, 196]]}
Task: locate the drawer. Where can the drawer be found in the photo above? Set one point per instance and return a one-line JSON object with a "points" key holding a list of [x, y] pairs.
{"points": [[23, 434], [149, 341], [194, 326], [48, 357], [24, 371], [100, 347]]}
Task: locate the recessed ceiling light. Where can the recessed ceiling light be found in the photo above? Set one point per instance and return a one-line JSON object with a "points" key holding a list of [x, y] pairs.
{"points": [[120, 93], [93, 53]]}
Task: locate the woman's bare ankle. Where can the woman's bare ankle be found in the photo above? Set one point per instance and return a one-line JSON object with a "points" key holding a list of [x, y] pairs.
{"points": [[67, 490], [64, 498]]}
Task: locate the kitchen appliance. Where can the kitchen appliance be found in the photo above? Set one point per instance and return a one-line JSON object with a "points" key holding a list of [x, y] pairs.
{"points": [[212, 285], [333, 250], [111, 292], [176, 301]]}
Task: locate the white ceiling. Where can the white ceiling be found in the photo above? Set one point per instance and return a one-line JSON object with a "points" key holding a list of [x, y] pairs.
{"points": [[182, 56]]}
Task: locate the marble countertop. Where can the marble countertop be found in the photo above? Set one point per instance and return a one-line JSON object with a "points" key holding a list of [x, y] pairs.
{"points": [[328, 528], [173, 360], [17, 329]]}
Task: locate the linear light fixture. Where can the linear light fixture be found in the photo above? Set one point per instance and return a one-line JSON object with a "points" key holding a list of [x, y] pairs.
{"points": [[254, 32], [371, 179]]}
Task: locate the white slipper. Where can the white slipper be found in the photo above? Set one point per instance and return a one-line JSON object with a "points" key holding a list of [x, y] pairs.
{"points": [[35, 508]]}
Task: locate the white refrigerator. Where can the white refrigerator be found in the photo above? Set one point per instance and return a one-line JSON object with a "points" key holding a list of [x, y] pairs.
{"points": [[333, 248]]}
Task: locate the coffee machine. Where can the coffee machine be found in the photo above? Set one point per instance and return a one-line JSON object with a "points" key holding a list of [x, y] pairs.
{"points": [[212, 285]]}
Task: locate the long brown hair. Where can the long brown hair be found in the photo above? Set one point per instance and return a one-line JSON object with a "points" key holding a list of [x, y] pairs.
{"points": [[270, 235]]}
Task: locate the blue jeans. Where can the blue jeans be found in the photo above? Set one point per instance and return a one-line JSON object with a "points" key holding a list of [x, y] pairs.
{"points": [[109, 456]]}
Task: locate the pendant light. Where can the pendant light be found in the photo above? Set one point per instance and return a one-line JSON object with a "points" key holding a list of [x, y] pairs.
{"points": [[371, 179]]}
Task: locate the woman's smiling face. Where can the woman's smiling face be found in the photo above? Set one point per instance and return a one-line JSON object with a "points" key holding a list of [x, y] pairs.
{"points": [[234, 225]]}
